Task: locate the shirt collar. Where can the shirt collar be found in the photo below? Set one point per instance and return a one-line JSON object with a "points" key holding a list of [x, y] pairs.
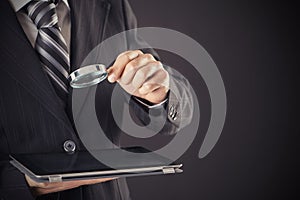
{"points": [[18, 4]]}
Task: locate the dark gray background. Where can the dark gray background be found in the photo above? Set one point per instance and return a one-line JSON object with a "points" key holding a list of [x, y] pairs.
{"points": [[255, 45]]}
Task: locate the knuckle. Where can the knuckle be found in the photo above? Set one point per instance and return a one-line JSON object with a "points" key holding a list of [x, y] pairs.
{"points": [[163, 73], [141, 74], [127, 56], [139, 51], [130, 66], [148, 56], [157, 64]]}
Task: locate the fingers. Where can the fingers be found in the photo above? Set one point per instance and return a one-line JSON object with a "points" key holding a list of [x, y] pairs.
{"points": [[45, 188], [148, 87], [157, 96], [140, 75], [94, 181], [144, 73], [122, 60], [159, 80], [133, 66]]}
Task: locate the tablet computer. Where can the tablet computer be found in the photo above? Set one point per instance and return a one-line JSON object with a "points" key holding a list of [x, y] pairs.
{"points": [[58, 167]]}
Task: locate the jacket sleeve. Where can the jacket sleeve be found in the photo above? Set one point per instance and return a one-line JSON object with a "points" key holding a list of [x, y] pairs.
{"points": [[178, 108]]}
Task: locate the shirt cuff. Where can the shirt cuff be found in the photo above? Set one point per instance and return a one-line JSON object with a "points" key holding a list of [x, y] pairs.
{"points": [[148, 104]]}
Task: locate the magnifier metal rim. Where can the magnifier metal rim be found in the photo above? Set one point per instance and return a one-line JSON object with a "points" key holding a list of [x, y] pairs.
{"points": [[98, 70]]}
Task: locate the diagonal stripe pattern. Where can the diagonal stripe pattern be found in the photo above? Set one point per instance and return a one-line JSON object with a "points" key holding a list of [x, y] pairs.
{"points": [[50, 45]]}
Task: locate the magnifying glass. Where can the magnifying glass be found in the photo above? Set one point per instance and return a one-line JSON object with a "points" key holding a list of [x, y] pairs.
{"points": [[88, 76]]}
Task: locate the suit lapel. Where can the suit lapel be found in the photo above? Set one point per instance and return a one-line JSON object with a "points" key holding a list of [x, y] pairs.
{"points": [[24, 66]]}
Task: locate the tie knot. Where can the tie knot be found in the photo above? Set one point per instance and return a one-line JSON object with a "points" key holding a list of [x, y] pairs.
{"points": [[42, 13]]}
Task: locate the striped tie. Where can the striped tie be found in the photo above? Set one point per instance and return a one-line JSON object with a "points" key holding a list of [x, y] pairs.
{"points": [[51, 46]]}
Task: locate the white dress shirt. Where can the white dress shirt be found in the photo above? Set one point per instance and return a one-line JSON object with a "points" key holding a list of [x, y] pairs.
{"points": [[30, 29]]}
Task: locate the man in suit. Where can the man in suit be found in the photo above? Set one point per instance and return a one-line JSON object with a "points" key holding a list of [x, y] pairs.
{"points": [[34, 118]]}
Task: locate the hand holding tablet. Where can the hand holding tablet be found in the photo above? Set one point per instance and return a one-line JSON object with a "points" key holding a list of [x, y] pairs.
{"points": [[46, 188]]}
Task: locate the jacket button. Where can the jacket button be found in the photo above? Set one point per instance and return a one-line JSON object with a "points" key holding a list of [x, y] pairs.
{"points": [[69, 146]]}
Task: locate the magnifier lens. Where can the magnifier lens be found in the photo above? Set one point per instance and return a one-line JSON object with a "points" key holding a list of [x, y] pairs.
{"points": [[87, 76]]}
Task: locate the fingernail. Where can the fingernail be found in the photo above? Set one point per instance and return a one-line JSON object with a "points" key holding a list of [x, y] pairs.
{"points": [[111, 78]]}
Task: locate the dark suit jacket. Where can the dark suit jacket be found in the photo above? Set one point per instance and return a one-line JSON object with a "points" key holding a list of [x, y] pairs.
{"points": [[31, 118]]}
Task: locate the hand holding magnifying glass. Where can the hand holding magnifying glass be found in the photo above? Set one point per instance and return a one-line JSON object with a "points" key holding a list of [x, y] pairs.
{"points": [[138, 74]]}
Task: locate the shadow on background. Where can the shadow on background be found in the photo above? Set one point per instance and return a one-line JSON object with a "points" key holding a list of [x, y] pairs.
{"points": [[254, 45]]}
